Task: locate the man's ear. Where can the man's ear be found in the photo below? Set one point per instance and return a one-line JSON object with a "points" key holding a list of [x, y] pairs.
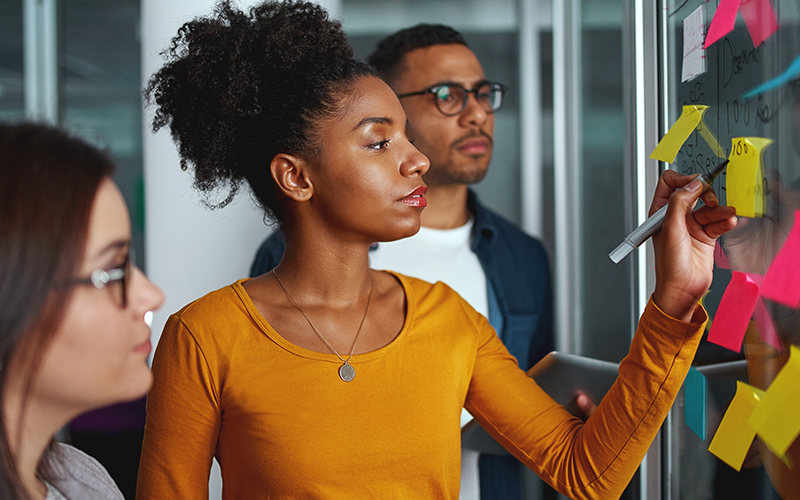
{"points": [[291, 176]]}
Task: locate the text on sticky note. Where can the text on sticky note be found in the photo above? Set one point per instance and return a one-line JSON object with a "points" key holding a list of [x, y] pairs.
{"points": [[745, 177], [694, 56]]}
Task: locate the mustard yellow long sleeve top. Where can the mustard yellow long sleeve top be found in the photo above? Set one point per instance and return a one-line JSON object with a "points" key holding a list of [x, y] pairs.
{"points": [[282, 424]]}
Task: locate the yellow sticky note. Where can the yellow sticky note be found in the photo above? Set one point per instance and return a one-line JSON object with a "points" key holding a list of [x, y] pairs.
{"points": [[691, 119], [710, 138], [668, 146], [745, 178], [734, 435], [777, 418]]}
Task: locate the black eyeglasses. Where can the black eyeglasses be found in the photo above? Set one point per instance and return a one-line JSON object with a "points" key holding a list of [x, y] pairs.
{"points": [[451, 98], [101, 277]]}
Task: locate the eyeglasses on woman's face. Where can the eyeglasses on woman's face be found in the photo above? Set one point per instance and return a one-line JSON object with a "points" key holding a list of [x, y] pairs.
{"points": [[451, 98], [100, 278]]}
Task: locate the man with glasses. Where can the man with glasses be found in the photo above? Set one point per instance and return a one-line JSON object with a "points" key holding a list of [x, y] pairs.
{"points": [[502, 272]]}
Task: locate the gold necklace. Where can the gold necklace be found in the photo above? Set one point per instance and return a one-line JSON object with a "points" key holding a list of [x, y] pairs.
{"points": [[346, 371]]}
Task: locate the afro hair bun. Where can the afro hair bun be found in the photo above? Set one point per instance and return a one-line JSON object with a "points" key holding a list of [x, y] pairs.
{"points": [[239, 88]]}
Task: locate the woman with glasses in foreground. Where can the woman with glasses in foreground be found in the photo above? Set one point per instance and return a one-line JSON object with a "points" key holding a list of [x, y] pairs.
{"points": [[72, 331], [324, 378]]}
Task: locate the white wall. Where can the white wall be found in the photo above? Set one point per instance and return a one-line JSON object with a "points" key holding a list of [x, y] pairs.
{"points": [[190, 250]]}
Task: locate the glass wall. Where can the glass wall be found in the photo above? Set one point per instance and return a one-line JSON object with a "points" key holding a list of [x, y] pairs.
{"points": [[606, 295], [99, 82], [12, 98], [100, 90], [732, 67]]}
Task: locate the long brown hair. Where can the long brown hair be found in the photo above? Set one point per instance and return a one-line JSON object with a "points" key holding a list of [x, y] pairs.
{"points": [[48, 182]]}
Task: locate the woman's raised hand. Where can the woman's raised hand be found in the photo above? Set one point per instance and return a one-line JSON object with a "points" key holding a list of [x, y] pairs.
{"points": [[684, 248]]}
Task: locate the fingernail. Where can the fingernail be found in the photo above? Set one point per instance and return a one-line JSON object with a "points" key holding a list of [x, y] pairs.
{"points": [[694, 186], [713, 197]]}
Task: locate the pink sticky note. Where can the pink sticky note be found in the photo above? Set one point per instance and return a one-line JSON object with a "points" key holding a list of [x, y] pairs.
{"points": [[720, 259], [734, 312], [766, 327], [759, 16], [782, 282], [723, 22]]}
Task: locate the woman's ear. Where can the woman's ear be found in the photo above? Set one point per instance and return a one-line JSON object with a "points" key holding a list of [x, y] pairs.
{"points": [[291, 176]]}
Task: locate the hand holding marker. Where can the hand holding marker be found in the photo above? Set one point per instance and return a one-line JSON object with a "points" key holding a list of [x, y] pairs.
{"points": [[653, 223]]}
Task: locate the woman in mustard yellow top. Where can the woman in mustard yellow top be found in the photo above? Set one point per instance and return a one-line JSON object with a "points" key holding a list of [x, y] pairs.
{"points": [[326, 379]]}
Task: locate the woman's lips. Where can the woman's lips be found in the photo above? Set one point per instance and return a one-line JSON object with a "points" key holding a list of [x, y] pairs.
{"points": [[417, 198], [143, 348]]}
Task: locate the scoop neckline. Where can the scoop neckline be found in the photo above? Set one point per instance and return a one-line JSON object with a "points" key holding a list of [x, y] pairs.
{"points": [[276, 337]]}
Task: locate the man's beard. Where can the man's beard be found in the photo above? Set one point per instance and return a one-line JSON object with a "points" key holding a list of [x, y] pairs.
{"points": [[448, 173]]}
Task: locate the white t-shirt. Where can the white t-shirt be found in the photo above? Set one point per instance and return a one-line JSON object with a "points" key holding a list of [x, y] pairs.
{"points": [[443, 255], [438, 255]]}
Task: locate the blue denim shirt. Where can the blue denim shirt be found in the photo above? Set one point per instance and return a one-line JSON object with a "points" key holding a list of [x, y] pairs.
{"points": [[520, 288], [520, 309]]}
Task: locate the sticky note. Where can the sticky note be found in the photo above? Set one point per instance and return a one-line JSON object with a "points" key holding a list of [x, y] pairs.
{"points": [[790, 74], [777, 417], [691, 119], [720, 259], [734, 434], [694, 56], [723, 22], [782, 281], [703, 303], [745, 177], [734, 311], [759, 17], [694, 402], [710, 139], [765, 324]]}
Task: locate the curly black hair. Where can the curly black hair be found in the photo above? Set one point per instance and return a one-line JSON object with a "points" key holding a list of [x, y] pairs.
{"points": [[239, 88], [389, 53]]}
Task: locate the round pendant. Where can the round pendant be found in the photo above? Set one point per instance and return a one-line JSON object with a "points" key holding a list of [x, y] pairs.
{"points": [[347, 372]]}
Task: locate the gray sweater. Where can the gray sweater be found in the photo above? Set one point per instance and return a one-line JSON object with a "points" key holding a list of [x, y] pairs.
{"points": [[77, 476]]}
